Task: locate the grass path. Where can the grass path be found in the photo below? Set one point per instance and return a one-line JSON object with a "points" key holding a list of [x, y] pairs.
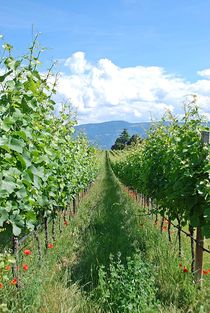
{"points": [[116, 226], [108, 222], [107, 232]]}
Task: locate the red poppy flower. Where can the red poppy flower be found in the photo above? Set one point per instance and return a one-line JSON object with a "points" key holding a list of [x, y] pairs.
{"points": [[164, 228], [185, 270], [205, 272], [209, 270], [14, 281], [25, 267], [180, 264], [8, 267], [27, 252], [1, 285], [66, 223], [50, 245]]}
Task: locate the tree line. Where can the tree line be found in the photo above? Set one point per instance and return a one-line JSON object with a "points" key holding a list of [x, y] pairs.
{"points": [[124, 139]]}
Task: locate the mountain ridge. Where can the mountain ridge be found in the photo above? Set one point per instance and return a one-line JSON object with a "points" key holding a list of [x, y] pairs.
{"points": [[104, 134]]}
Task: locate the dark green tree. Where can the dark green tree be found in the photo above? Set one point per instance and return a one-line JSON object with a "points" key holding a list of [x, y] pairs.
{"points": [[124, 136], [121, 141], [134, 140]]}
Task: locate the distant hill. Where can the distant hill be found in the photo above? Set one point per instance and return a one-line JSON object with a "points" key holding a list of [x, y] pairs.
{"points": [[104, 134]]}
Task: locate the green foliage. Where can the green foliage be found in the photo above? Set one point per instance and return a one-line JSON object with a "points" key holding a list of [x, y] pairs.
{"points": [[125, 140], [108, 221], [41, 165], [172, 168], [134, 140], [121, 141], [127, 288], [46, 286]]}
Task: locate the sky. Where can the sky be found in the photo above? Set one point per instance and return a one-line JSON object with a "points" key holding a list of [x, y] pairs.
{"points": [[120, 59]]}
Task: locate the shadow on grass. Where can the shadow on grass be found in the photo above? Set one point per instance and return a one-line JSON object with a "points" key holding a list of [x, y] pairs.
{"points": [[105, 235]]}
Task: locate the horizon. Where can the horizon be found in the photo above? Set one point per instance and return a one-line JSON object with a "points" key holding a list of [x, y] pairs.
{"points": [[122, 121], [118, 121]]}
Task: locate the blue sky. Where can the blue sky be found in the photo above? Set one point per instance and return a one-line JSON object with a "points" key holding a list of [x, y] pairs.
{"points": [[171, 35]]}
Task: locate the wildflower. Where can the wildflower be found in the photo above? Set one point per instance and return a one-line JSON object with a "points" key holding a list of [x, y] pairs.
{"points": [[209, 270], [27, 252], [25, 267], [185, 270], [66, 223], [164, 228], [7, 267], [50, 245], [205, 272], [1, 285], [180, 265], [14, 281]]}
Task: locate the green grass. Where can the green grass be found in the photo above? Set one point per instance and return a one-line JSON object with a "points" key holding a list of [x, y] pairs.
{"points": [[109, 259]]}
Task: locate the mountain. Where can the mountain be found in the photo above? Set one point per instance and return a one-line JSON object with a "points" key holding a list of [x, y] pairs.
{"points": [[103, 135]]}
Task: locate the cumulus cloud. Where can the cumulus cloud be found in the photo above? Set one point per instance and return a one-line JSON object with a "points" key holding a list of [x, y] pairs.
{"points": [[205, 73], [105, 91], [77, 63]]}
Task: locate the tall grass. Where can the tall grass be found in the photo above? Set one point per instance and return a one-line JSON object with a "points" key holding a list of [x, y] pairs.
{"points": [[78, 275]]}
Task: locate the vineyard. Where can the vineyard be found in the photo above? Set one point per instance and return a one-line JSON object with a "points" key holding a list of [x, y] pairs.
{"points": [[83, 230], [43, 168], [171, 172]]}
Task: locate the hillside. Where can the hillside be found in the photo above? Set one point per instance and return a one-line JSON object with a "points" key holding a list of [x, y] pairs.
{"points": [[104, 134]]}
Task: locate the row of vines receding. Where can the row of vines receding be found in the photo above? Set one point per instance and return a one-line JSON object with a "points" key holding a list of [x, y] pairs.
{"points": [[172, 168], [42, 166]]}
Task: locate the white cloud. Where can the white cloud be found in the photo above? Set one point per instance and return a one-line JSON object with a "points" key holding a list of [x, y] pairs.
{"points": [[77, 63], [205, 73], [104, 91]]}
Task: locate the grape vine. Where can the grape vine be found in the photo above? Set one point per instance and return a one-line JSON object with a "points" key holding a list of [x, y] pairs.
{"points": [[172, 167], [42, 166]]}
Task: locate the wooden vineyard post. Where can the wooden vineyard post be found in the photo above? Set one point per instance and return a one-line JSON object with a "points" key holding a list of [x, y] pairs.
{"points": [[78, 199], [205, 138], [60, 220], [191, 230], [156, 218], [142, 203], [199, 255], [179, 237], [74, 205], [46, 232], [169, 229], [15, 266], [53, 229], [36, 235], [136, 194], [161, 224], [69, 211], [59, 223]]}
